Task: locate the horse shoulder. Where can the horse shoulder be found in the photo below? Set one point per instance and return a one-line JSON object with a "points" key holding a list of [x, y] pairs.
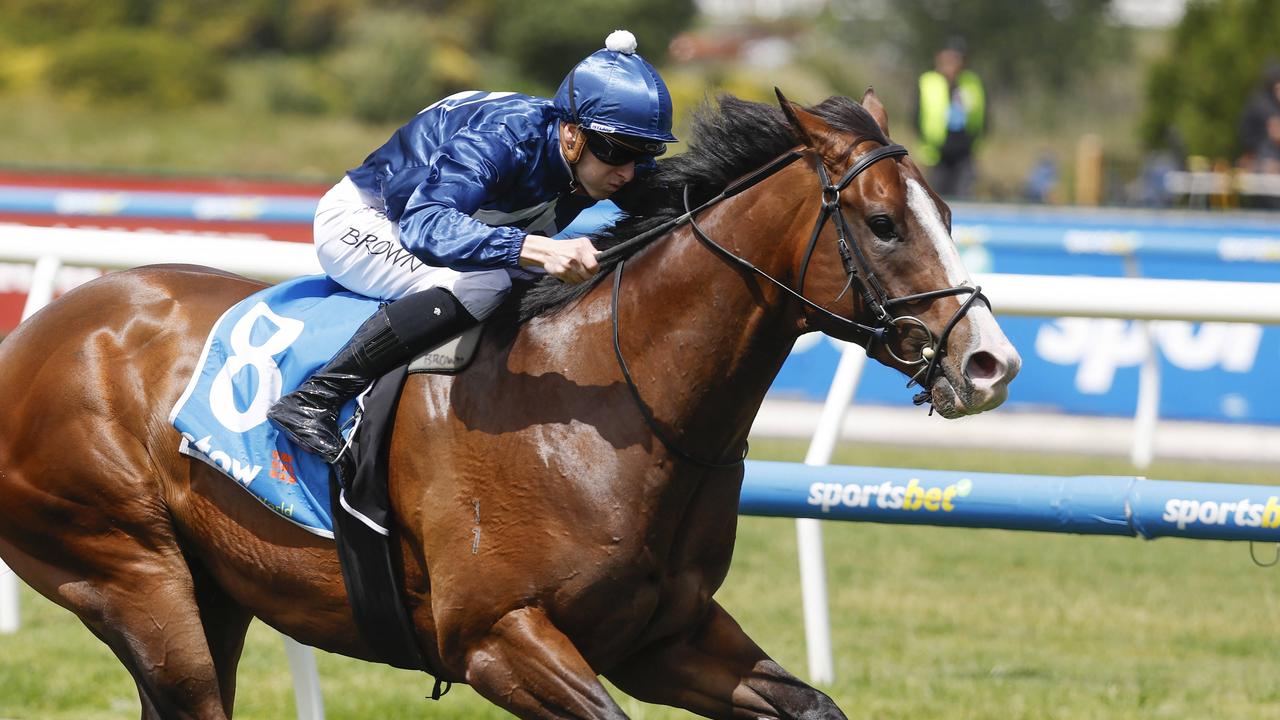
{"points": [[123, 344], [89, 380]]}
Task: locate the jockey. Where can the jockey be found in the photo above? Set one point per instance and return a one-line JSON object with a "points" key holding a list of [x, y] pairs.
{"points": [[438, 219]]}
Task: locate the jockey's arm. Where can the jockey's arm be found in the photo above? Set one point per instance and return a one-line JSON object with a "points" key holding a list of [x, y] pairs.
{"points": [[436, 224], [446, 237]]}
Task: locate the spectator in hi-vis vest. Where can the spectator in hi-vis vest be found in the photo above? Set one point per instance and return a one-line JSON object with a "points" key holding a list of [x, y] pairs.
{"points": [[951, 117]]}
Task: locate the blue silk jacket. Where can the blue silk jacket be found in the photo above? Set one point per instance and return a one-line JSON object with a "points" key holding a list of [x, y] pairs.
{"points": [[470, 176]]}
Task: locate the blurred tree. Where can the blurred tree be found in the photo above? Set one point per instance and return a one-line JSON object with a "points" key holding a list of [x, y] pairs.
{"points": [[396, 62], [389, 57], [235, 26], [41, 21], [1014, 44], [256, 26], [142, 66], [546, 39], [313, 25], [1216, 61]]}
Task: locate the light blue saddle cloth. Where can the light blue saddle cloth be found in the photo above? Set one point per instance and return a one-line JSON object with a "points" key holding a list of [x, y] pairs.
{"points": [[261, 348]]}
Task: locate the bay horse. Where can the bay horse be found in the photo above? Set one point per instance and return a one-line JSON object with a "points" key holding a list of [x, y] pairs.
{"points": [[566, 507]]}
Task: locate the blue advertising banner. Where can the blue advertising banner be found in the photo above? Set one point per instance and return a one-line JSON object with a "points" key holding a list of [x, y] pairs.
{"points": [[1209, 371]]}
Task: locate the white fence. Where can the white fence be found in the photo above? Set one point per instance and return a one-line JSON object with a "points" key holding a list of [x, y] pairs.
{"points": [[1203, 183], [1027, 295]]}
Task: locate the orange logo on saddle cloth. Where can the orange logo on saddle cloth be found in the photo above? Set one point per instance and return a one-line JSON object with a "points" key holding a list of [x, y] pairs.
{"points": [[282, 467]]}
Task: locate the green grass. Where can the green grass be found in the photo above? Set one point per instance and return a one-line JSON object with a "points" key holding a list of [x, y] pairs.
{"points": [[927, 623], [220, 140]]}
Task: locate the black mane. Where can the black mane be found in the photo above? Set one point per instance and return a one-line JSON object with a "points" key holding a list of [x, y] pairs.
{"points": [[728, 142]]}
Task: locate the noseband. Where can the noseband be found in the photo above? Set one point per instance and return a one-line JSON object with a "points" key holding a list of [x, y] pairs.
{"points": [[858, 271]]}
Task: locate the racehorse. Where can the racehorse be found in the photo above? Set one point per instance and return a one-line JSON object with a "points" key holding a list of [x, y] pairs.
{"points": [[566, 507]]}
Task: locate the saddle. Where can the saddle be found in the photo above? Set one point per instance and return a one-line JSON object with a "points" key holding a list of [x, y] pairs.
{"points": [[451, 357]]}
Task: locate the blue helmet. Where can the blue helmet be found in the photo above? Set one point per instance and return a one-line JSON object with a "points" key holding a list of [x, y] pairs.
{"points": [[614, 90]]}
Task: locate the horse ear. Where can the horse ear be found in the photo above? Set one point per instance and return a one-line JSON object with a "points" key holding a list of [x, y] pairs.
{"points": [[874, 106], [807, 127]]}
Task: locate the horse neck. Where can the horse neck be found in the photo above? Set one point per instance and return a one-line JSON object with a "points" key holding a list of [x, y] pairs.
{"points": [[702, 337]]}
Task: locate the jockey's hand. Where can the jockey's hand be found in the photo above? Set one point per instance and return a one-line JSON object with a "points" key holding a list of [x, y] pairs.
{"points": [[572, 261]]}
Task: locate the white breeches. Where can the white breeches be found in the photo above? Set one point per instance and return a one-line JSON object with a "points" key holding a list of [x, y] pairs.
{"points": [[359, 247]]}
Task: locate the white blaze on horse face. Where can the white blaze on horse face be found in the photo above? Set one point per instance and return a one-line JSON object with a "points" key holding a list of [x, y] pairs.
{"points": [[984, 333], [927, 217]]}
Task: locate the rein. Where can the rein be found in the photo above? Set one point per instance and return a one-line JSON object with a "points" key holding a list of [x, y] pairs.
{"points": [[624, 248], [646, 237], [856, 267]]}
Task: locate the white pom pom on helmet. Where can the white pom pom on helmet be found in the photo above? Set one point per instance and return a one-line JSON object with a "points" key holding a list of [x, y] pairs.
{"points": [[621, 41]]}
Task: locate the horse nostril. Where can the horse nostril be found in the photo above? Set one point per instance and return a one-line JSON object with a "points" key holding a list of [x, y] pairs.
{"points": [[982, 365]]}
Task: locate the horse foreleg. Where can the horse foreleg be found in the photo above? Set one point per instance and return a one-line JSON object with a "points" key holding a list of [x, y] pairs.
{"points": [[153, 626], [138, 597], [529, 668], [719, 672], [226, 623]]}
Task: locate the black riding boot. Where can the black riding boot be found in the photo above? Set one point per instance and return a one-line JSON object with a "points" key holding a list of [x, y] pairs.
{"points": [[388, 339]]}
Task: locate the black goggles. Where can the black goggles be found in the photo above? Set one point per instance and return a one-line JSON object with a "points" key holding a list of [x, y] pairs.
{"points": [[620, 150]]}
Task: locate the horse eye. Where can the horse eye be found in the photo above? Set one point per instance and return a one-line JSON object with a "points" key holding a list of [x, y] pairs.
{"points": [[882, 226]]}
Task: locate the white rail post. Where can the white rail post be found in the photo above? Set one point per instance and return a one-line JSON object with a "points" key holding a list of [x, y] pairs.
{"points": [[41, 292], [813, 567], [9, 619], [43, 279], [306, 681], [1147, 414]]}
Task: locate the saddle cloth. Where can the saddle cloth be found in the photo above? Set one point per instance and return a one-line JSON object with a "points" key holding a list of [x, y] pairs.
{"points": [[264, 346], [267, 345]]}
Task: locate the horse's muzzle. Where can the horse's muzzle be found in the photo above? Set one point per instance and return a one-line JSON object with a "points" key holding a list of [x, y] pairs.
{"points": [[979, 381]]}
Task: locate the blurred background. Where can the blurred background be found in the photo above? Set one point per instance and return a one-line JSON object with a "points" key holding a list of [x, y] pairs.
{"points": [[1135, 139], [301, 89]]}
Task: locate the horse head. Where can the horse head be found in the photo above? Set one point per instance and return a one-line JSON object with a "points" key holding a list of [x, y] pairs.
{"points": [[880, 267]]}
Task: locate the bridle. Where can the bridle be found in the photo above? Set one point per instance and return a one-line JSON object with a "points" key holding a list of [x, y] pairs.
{"points": [[875, 297], [858, 271]]}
